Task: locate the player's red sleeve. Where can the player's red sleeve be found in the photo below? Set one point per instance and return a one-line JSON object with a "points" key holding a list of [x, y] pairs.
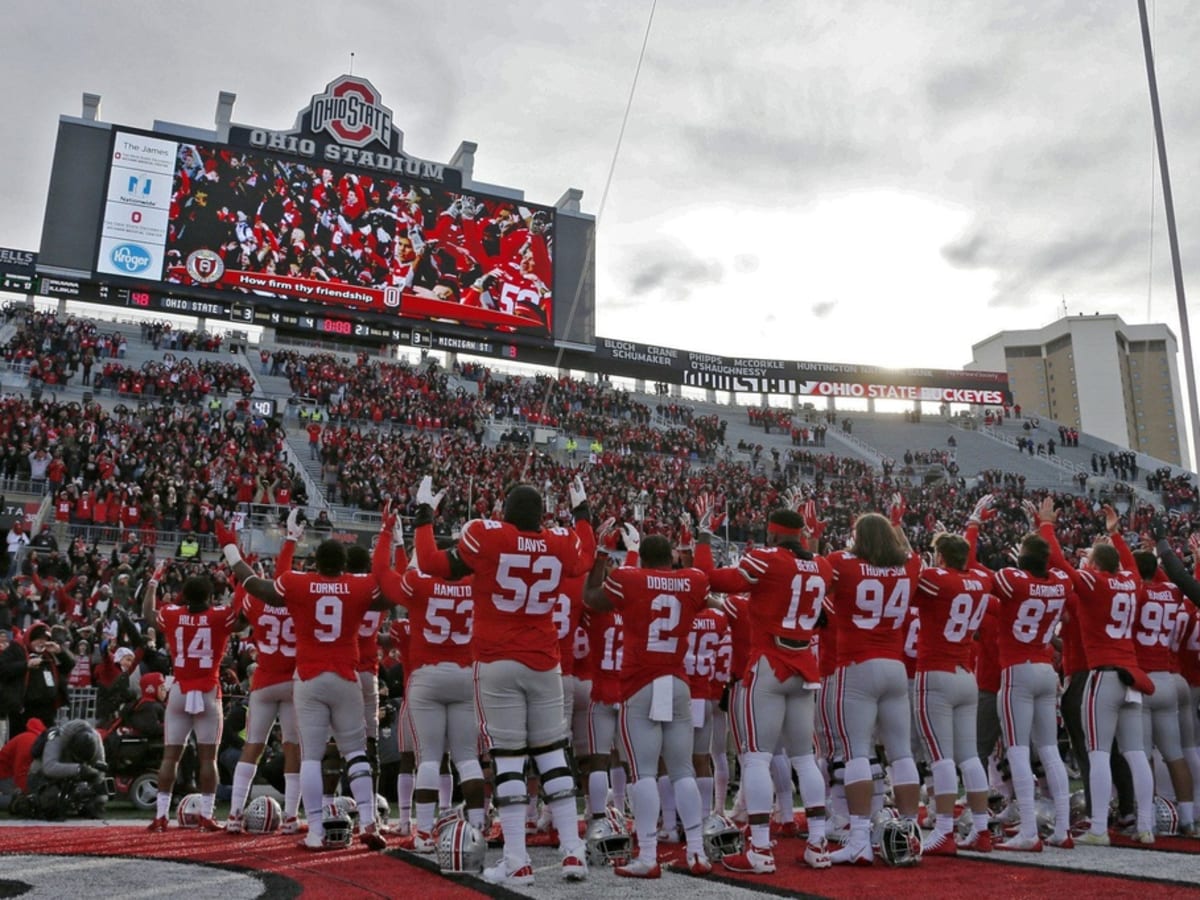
{"points": [[586, 542], [430, 559], [730, 580], [1046, 529], [972, 536], [1127, 560], [283, 562], [389, 579], [702, 559]]}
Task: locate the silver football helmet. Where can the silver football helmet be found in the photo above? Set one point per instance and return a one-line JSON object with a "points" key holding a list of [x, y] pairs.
{"points": [[1079, 807], [880, 818], [900, 843], [262, 815], [383, 810], [721, 837], [348, 807], [460, 848], [1166, 816], [607, 845], [188, 811], [336, 827], [1043, 808]]}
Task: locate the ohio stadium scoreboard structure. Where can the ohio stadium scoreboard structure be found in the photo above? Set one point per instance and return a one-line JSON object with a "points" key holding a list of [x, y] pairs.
{"points": [[329, 227], [331, 230]]}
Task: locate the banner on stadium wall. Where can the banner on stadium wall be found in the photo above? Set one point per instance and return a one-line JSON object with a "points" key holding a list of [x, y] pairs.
{"points": [[795, 378]]}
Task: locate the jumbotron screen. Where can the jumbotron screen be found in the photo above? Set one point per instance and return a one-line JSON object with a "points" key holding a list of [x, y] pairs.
{"points": [[215, 217]]}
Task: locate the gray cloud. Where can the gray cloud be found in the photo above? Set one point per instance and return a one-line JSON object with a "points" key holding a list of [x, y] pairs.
{"points": [[824, 308]]}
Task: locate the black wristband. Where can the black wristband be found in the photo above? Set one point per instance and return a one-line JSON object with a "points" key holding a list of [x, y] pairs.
{"points": [[423, 515], [582, 513]]}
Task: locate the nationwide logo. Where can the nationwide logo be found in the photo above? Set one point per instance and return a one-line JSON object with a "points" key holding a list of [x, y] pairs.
{"points": [[130, 258], [351, 111], [204, 266]]}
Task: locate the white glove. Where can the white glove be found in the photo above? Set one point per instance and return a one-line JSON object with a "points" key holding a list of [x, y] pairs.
{"points": [[295, 528], [398, 533], [981, 506], [632, 539], [425, 493], [577, 492]]}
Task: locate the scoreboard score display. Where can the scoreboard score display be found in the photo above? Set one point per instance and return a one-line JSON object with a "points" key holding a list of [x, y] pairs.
{"points": [[330, 226]]}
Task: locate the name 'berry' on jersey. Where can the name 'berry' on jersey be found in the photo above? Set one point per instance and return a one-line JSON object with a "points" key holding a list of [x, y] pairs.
{"points": [[787, 593], [1030, 608], [658, 606], [328, 611], [518, 576], [197, 641], [952, 604]]}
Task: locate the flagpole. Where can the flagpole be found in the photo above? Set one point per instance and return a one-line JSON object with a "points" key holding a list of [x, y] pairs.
{"points": [[1176, 264]]}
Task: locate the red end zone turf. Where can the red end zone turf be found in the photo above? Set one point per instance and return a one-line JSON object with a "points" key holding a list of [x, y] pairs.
{"points": [[287, 871]]}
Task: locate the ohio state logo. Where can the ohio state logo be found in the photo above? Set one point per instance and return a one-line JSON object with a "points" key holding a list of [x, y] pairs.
{"points": [[351, 111]]}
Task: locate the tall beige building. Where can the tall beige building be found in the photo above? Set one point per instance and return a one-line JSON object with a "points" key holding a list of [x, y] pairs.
{"points": [[1096, 373]]}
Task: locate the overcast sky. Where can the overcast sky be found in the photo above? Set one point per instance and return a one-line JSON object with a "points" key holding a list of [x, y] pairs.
{"points": [[844, 181]]}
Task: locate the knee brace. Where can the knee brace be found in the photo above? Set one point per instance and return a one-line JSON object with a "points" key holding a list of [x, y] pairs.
{"points": [[904, 771], [510, 782], [757, 761], [358, 766], [557, 780], [331, 763], [837, 772]]}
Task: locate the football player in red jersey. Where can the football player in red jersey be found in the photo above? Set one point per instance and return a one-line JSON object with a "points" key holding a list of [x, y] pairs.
{"points": [[701, 663], [1106, 604], [197, 635], [327, 607], [658, 604], [439, 690], [1032, 598], [1158, 609], [872, 585], [270, 695], [1186, 643], [952, 598], [518, 568], [787, 587]]}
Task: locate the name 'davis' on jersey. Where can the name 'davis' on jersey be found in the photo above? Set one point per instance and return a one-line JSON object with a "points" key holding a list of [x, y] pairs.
{"points": [[531, 545]]}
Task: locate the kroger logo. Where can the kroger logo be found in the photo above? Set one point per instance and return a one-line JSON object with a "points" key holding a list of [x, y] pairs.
{"points": [[130, 258]]}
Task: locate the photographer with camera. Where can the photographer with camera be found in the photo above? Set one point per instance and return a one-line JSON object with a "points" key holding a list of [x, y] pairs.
{"points": [[68, 772]]}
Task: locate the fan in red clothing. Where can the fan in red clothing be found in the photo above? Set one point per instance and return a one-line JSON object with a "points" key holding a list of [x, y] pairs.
{"points": [[327, 607], [439, 688], [658, 604], [1107, 607], [787, 586], [197, 635], [952, 597], [518, 567]]}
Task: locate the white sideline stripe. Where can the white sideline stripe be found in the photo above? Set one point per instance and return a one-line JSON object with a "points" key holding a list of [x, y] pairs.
{"points": [[1181, 867]]}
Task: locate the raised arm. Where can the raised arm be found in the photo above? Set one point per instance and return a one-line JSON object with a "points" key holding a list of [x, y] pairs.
{"points": [[1174, 566]]}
